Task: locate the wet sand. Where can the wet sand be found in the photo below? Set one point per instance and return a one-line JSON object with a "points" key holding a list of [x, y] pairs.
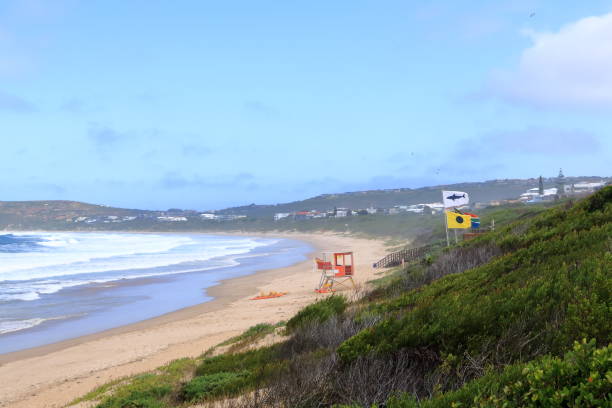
{"points": [[55, 374]]}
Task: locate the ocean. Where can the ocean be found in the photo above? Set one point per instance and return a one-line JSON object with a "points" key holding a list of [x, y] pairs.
{"points": [[59, 285]]}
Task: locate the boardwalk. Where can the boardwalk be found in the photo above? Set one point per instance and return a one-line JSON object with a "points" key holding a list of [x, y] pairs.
{"points": [[406, 255]]}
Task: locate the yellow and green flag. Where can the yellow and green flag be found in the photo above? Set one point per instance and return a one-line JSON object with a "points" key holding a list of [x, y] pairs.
{"points": [[456, 220]]}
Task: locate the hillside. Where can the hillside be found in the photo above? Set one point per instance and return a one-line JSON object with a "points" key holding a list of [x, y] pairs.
{"points": [[70, 215], [519, 317], [40, 212], [479, 192]]}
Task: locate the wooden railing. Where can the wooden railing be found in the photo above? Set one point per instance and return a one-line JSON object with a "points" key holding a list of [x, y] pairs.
{"points": [[405, 255]]}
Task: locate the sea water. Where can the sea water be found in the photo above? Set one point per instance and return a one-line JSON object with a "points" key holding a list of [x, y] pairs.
{"points": [[59, 285]]}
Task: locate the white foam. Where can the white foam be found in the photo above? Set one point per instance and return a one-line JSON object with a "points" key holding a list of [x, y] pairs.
{"points": [[79, 258], [10, 326]]}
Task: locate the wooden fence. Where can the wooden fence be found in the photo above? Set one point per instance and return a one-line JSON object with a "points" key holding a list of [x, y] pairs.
{"points": [[405, 255]]}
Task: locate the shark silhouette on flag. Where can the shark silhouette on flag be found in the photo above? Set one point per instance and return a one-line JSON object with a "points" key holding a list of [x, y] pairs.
{"points": [[455, 198]]}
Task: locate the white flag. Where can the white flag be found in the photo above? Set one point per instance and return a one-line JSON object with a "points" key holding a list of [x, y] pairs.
{"points": [[455, 198]]}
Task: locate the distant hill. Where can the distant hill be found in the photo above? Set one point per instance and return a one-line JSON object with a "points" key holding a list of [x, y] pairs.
{"points": [[479, 192], [33, 213], [22, 215]]}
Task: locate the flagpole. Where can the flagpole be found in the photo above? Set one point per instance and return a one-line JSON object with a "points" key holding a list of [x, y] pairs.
{"points": [[445, 220], [446, 225]]}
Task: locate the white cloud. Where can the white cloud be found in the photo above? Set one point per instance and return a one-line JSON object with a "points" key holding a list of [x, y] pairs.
{"points": [[569, 68]]}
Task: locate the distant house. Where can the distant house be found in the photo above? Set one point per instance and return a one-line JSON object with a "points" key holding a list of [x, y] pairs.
{"points": [[435, 207], [208, 216], [533, 195], [280, 216], [416, 208], [229, 217], [584, 187], [167, 218], [342, 212]]}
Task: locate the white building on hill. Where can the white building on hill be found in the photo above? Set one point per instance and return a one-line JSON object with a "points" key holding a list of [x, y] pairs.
{"points": [[280, 216]]}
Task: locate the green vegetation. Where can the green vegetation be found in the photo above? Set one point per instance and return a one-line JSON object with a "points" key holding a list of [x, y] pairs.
{"points": [[513, 318], [213, 385], [318, 312], [150, 390], [188, 380], [552, 285], [251, 335], [582, 378]]}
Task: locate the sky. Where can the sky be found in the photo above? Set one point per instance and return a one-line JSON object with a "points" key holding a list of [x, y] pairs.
{"points": [[202, 104]]}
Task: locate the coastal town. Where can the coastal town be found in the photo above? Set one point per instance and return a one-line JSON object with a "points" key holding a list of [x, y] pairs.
{"points": [[561, 189]]}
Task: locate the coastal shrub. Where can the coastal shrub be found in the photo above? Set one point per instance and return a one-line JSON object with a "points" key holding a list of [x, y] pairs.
{"points": [[549, 289], [581, 378], [214, 385], [151, 390], [236, 362], [318, 312], [145, 391], [326, 335], [230, 374]]}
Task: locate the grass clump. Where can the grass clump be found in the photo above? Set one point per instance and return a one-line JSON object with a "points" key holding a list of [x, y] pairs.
{"points": [[145, 391], [318, 312], [234, 362], [251, 335], [230, 374], [213, 385], [151, 390]]}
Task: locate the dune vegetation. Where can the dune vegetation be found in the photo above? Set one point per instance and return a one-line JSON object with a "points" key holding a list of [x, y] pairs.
{"points": [[518, 317]]}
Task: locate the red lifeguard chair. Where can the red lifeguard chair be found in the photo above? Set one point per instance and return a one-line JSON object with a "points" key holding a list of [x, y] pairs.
{"points": [[336, 268]]}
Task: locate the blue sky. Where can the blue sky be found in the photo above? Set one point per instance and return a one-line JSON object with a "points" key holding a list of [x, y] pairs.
{"points": [[207, 104]]}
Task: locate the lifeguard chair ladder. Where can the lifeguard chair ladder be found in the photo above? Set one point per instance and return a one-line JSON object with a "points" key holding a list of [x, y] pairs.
{"points": [[336, 269]]}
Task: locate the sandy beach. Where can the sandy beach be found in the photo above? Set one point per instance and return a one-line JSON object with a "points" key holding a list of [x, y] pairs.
{"points": [[56, 374]]}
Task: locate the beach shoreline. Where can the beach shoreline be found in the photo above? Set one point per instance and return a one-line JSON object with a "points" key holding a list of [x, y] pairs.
{"points": [[92, 360]]}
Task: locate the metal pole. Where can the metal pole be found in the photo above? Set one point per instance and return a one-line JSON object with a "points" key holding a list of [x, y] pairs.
{"points": [[446, 228], [445, 221]]}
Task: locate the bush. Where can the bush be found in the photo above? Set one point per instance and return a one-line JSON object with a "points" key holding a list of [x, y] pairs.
{"points": [[318, 312], [582, 378], [235, 362], [145, 391], [233, 373], [213, 385]]}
